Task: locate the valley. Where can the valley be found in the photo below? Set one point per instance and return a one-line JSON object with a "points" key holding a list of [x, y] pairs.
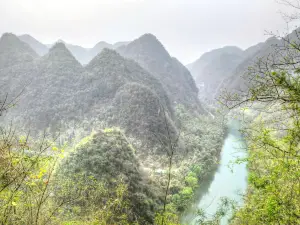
{"points": [[124, 133]]}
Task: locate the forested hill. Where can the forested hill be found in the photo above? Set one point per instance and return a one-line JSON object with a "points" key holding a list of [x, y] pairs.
{"points": [[269, 92], [176, 79], [16, 63], [212, 67], [237, 80], [265, 52], [151, 55], [58, 90], [14, 52], [223, 68], [37, 46], [144, 105]]}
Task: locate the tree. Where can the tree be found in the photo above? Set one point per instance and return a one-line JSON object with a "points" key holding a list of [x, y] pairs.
{"points": [[273, 136], [30, 193]]}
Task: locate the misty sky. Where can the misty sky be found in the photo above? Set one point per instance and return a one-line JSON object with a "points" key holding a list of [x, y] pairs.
{"points": [[187, 28]]}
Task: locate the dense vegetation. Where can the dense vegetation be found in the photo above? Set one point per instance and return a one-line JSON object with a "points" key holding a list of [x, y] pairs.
{"points": [[212, 67], [109, 158], [273, 136], [174, 77], [77, 185], [124, 139], [82, 171], [32, 192]]}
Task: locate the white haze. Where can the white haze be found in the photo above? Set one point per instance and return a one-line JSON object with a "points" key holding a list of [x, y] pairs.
{"points": [[187, 28]]}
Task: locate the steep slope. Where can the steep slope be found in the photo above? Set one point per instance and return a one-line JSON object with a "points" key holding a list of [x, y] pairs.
{"points": [[110, 71], [17, 65], [267, 51], [13, 51], [134, 98], [212, 67], [51, 95], [111, 89], [237, 81], [102, 45], [211, 55], [64, 97], [211, 63], [176, 79], [108, 156], [138, 109], [37, 46], [80, 53], [85, 55], [98, 48], [249, 52]]}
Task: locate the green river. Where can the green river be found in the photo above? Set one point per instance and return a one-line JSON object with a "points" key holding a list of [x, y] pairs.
{"points": [[228, 180]]}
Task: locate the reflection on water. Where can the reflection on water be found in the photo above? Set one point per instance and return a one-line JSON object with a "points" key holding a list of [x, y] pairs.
{"points": [[228, 180]]}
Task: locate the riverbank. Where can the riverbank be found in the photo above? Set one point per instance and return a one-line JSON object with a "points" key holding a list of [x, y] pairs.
{"points": [[228, 180]]}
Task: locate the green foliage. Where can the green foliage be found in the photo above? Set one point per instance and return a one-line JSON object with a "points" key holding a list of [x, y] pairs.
{"points": [[166, 219], [203, 137], [30, 193], [100, 181], [110, 130], [109, 158], [182, 200], [273, 138], [196, 169], [175, 78], [274, 178], [192, 180], [84, 141], [25, 180], [225, 208], [140, 112], [95, 202]]}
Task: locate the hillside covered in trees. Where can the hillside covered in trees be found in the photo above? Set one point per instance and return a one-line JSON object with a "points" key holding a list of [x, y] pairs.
{"points": [[118, 122], [124, 133]]}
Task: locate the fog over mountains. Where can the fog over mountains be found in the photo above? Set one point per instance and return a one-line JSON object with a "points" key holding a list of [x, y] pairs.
{"points": [[224, 68], [149, 112], [64, 82], [136, 87], [124, 110], [83, 55], [210, 72]]}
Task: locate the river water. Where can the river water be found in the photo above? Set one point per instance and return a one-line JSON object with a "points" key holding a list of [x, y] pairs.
{"points": [[228, 180]]}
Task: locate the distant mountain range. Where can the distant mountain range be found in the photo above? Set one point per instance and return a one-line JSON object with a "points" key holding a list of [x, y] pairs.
{"points": [[212, 72], [223, 68], [212, 67], [137, 90], [123, 92], [83, 55]]}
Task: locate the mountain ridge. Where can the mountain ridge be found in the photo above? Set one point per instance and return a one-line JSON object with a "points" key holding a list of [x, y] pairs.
{"points": [[83, 55], [14, 51], [150, 53]]}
